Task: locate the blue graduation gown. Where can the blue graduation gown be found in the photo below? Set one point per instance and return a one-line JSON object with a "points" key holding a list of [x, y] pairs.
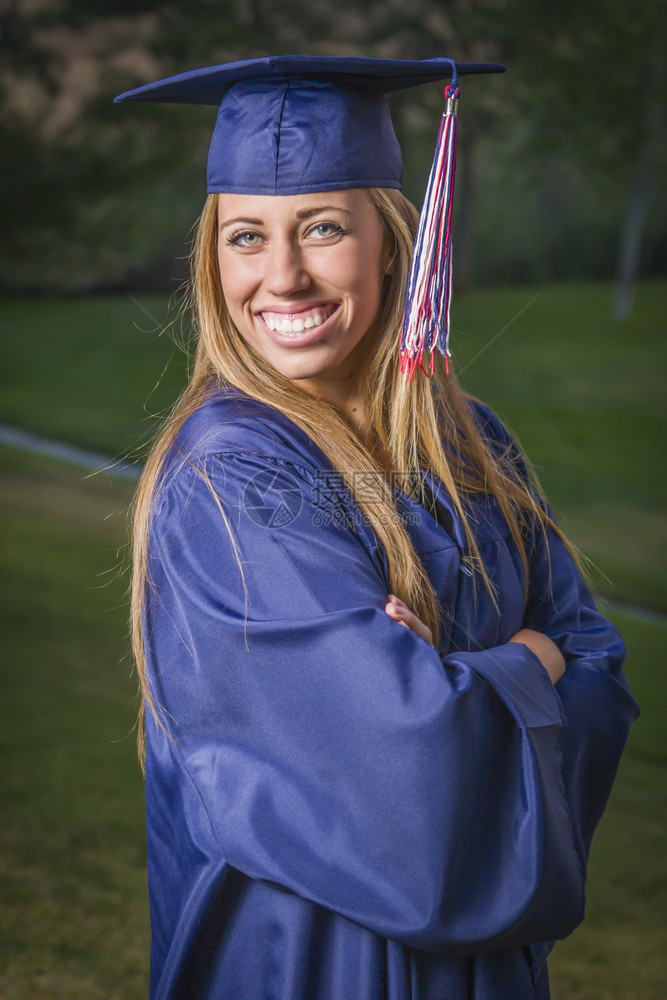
{"points": [[336, 810]]}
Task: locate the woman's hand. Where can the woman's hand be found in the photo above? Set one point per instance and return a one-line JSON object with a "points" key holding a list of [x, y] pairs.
{"points": [[545, 649], [401, 613]]}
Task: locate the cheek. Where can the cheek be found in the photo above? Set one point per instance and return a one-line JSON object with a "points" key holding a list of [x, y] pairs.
{"points": [[235, 281], [359, 274], [225, 281], [369, 284]]}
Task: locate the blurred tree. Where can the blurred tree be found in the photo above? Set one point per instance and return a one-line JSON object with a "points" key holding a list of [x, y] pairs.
{"points": [[570, 132], [593, 88], [649, 170], [77, 168], [587, 90]]}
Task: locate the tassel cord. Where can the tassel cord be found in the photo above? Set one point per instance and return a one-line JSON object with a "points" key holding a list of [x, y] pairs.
{"points": [[426, 319]]}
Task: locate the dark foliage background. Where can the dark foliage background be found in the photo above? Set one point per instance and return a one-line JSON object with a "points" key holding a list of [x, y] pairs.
{"points": [[560, 160], [561, 166]]}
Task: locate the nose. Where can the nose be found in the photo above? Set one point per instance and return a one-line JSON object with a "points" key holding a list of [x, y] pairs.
{"points": [[285, 272]]}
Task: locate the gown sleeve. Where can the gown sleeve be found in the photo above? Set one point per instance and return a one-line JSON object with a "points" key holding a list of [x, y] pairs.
{"points": [[333, 752], [597, 706], [598, 709], [596, 702]]}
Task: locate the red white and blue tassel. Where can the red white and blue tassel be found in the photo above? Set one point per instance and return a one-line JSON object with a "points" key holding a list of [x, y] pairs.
{"points": [[429, 292]]}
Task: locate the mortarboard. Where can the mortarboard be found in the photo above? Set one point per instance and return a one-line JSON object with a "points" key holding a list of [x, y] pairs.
{"points": [[298, 124]]}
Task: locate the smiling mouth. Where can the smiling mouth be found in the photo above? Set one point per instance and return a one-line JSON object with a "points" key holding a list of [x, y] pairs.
{"points": [[299, 322]]}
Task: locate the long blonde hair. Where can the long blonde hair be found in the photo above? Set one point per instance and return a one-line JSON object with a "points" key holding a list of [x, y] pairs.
{"points": [[427, 423]]}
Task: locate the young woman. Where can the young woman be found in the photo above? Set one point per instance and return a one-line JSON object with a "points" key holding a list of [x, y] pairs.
{"points": [[382, 713]]}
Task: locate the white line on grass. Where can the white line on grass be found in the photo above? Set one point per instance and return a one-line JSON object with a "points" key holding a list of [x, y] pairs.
{"points": [[13, 437]]}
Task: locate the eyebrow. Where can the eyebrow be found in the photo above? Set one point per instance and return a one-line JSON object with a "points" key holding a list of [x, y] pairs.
{"points": [[245, 222], [305, 213]]}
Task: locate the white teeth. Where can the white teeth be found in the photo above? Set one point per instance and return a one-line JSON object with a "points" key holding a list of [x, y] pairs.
{"points": [[283, 324]]}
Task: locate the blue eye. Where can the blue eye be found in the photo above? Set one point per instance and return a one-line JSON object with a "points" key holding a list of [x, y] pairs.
{"points": [[244, 239], [326, 229]]}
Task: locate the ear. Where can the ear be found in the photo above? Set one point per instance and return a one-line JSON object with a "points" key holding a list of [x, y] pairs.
{"points": [[388, 256]]}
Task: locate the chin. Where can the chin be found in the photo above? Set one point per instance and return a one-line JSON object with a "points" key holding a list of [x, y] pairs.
{"points": [[304, 368], [302, 373]]}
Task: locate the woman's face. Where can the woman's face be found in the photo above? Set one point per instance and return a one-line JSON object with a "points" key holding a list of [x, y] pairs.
{"points": [[301, 276]]}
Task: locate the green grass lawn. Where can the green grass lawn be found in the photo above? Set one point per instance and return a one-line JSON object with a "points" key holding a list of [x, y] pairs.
{"points": [[618, 952], [585, 398], [74, 921], [583, 394], [90, 371]]}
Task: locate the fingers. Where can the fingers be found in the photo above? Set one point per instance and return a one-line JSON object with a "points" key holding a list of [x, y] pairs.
{"points": [[401, 613]]}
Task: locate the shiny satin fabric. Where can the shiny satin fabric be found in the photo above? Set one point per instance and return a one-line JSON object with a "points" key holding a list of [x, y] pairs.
{"points": [[335, 809], [292, 136], [298, 124]]}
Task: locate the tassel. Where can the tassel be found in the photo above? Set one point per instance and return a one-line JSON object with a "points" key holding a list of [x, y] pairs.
{"points": [[429, 292]]}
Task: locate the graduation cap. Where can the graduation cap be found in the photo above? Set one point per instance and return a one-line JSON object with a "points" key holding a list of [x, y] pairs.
{"points": [[298, 124]]}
